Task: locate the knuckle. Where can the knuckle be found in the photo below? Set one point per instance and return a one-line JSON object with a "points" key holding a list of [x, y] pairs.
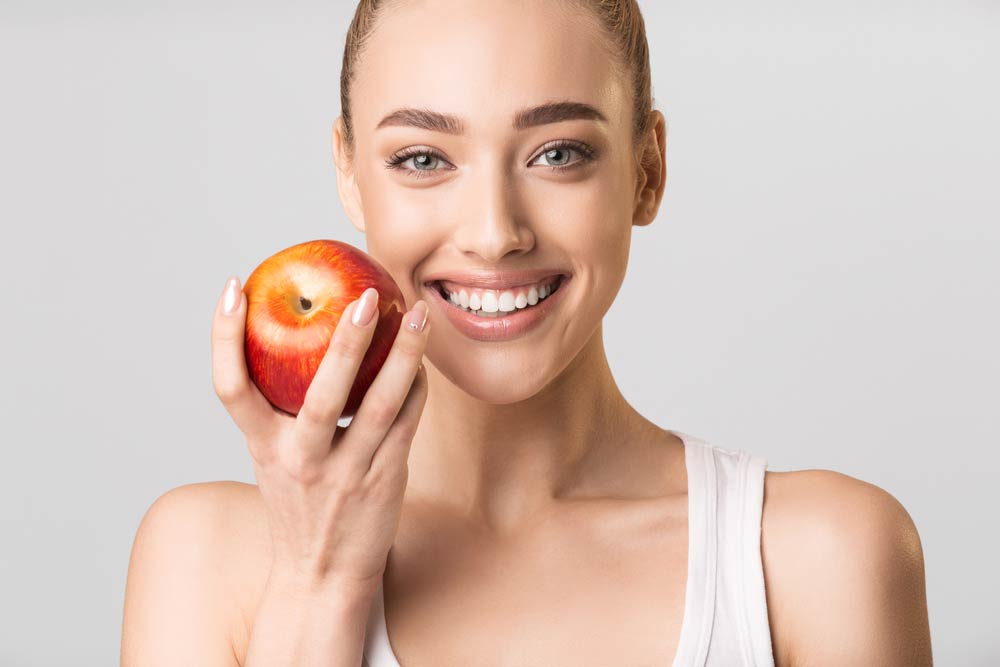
{"points": [[381, 413], [301, 468], [410, 349], [346, 484], [317, 411], [261, 452], [405, 425], [228, 391], [349, 345], [387, 473], [376, 480]]}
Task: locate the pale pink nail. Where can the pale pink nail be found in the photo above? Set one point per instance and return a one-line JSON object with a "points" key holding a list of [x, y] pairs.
{"points": [[231, 297], [417, 317], [365, 309]]}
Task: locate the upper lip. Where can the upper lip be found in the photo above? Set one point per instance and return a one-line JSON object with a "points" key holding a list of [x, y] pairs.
{"points": [[495, 279]]}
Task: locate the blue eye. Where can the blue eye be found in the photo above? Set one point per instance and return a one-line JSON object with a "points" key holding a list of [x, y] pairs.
{"points": [[557, 154], [424, 159]]}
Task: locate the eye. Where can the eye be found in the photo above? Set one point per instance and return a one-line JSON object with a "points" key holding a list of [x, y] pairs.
{"points": [[557, 155], [424, 159]]}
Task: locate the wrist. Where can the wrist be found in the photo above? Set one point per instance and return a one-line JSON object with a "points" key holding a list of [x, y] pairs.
{"points": [[330, 589]]}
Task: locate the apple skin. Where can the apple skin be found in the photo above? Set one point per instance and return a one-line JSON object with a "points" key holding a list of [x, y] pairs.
{"points": [[295, 298]]}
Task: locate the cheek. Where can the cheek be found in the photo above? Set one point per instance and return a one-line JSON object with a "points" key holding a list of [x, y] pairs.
{"points": [[400, 232], [590, 220]]}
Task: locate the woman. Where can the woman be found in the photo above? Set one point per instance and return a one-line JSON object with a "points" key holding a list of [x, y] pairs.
{"points": [[497, 156]]}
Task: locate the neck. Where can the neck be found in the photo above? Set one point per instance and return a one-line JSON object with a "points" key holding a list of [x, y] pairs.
{"points": [[505, 464]]}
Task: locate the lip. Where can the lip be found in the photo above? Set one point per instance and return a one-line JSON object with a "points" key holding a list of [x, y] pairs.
{"points": [[503, 327], [498, 280]]}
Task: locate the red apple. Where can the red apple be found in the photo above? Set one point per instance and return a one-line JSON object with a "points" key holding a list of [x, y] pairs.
{"points": [[295, 299]]}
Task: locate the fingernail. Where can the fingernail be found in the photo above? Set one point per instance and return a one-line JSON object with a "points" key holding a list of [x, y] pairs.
{"points": [[417, 317], [366, 307], [230, 297]]}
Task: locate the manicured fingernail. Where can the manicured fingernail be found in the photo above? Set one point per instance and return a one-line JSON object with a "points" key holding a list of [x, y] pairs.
{"points": [[365, 309], [230, 297], [417, 317]]}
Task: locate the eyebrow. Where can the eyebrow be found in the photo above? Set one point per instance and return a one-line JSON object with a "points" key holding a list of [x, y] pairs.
{"points": [[552, 112]]}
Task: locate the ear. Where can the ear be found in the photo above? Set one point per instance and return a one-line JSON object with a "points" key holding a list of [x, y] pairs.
{"points": [[651, 176], [347, 184]]}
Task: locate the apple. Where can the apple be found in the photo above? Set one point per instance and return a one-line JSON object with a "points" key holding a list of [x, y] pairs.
{"points": [[295, 299]]}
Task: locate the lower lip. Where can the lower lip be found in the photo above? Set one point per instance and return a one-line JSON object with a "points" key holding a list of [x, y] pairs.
{"points": [[505, 326]]}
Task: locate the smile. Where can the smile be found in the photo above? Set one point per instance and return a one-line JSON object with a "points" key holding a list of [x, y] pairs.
{"points": [[494, 303], [497, 315]]}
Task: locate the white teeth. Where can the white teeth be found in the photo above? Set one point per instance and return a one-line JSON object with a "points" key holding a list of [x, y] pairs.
{"points": [[489, 304], [492, 305], [507, 302]]}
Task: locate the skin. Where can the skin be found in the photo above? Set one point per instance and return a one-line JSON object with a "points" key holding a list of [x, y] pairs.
{"points": [[538, 501]]}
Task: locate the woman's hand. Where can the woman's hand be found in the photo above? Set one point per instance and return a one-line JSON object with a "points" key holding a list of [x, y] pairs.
{"points": [[333, 493]]}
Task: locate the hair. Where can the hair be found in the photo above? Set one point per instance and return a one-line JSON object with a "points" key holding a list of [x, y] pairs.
{"points": [[621, 21]]}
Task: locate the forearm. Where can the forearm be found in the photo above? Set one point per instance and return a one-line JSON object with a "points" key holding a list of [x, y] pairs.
{"points": [[298, 625]]}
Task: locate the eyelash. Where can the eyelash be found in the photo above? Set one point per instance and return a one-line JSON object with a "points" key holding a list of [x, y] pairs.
{"points": [[396, 160]]}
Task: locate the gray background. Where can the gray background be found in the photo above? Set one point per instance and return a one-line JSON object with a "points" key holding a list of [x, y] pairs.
{"points": [[820, 287]]}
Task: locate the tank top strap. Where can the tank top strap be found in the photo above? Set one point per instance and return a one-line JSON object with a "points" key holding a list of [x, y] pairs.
{"points": [[725, 609]]}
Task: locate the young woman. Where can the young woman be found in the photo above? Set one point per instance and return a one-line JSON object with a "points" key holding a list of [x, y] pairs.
{"points": [[501, 503]]}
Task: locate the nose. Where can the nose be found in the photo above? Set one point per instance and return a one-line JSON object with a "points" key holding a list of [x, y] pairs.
{"points": [[493, 225]]}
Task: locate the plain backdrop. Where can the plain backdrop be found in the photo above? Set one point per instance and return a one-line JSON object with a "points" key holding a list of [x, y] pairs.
{"points": [[819, 288]]}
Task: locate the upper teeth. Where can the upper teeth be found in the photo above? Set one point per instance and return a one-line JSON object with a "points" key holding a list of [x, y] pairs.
{"points": [[492, 301]]}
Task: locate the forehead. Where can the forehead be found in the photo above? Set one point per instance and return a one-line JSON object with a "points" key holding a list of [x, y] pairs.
{"points": [[483, 60]]}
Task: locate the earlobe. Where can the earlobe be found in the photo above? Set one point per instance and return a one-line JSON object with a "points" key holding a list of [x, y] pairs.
{"points": [[347, 185]]}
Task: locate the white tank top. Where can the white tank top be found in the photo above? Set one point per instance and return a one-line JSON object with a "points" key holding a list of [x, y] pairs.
{"points": [[725, 611]]}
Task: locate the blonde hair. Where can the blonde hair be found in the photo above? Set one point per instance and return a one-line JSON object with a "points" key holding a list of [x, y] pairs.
{"points": [[621, 21]]}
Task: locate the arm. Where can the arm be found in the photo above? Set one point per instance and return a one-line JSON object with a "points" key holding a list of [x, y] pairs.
{"points": [[301, 624], [176, 599], [845, 573], [181, 602]]}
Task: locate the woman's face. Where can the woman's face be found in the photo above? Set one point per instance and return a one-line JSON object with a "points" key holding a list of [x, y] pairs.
{"points": [[489, 195]]}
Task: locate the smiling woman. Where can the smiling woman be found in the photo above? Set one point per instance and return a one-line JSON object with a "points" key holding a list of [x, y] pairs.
{"points": [[516, 509], [519, 142]]}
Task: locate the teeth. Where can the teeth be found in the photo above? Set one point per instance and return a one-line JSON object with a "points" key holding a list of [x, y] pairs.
{"points": [[490, 305], [507, 302]]}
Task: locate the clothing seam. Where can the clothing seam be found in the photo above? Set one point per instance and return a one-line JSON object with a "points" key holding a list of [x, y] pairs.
{"points": [[759, 635], [710, 530], [746, 642]]}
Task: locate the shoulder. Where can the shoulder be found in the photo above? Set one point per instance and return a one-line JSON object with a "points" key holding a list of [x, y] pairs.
{"points": [[844, 572], [200, 554], [219, 515], [222, 524]]}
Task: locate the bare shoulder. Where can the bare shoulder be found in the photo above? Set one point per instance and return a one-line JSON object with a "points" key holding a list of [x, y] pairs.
{"points": [[844, 572], [199, 561]]}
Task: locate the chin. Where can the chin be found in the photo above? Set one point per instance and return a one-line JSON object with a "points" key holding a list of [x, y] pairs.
{"points": [[496, 379]]}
